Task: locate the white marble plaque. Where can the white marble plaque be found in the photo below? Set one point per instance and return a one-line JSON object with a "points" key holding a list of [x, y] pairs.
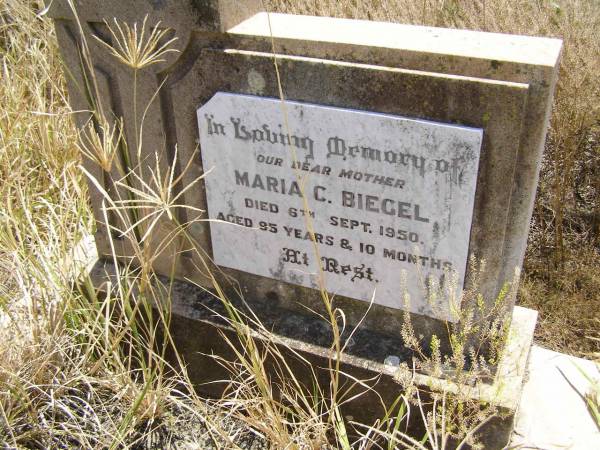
{"points": [[388, 199]]}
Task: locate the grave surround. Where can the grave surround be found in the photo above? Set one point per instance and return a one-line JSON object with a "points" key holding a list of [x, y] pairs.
{"points": [[493, 90]]}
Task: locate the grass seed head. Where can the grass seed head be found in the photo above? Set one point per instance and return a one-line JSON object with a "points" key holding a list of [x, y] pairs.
{"points": [[136, 47]]}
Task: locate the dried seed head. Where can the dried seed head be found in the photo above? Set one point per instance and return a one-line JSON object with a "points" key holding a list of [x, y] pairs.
{"points": [[136, 48], [99, 142]]}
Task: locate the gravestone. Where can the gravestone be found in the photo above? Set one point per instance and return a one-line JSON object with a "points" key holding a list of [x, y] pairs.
{"points": [[399, 158]]}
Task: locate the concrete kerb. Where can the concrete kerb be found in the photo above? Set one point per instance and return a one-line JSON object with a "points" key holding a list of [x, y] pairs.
{"points": [[196, 313]]}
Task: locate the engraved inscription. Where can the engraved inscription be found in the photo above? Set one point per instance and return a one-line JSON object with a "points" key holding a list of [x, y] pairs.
{"points": [[381, 204]]}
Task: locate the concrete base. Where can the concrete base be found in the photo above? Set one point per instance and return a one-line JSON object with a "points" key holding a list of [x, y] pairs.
{"points": [[197, 327], [552, 414]]}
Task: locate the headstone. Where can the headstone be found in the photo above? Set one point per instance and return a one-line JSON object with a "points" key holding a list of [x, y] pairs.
{"points": [[399, 157]]}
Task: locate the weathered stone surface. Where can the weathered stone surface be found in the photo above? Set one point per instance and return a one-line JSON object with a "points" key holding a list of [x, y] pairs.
{"points": [[553, 413], [346, 37], [383, 194]]}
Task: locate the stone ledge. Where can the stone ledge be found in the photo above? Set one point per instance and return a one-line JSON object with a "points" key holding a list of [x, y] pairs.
{"points": [[197, 325], [419, 39], [552, 414]]}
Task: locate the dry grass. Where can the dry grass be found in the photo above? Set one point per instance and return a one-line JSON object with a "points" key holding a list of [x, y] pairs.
{"points": [[76, 368]]}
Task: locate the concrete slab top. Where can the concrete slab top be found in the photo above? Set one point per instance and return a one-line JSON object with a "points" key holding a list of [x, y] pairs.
{"points": [[552, 413], [462, 43]]}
